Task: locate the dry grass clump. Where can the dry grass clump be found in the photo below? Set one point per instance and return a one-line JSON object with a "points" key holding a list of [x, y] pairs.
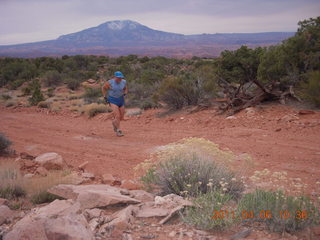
{"points": [[38, 186], [44, 104], [94, 108], [12, 184], [191, 167], [280, 212]]}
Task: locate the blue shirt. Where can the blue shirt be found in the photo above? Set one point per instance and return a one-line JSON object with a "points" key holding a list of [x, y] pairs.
{"points": [[116, 89]]}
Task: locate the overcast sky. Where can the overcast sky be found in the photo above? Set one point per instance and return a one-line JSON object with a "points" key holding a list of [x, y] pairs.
{"points": [[36, 20]]}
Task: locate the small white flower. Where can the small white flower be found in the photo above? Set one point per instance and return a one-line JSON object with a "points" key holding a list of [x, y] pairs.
{"points": [[199, 183], [224, 189], [188, 185], [233, 179]]}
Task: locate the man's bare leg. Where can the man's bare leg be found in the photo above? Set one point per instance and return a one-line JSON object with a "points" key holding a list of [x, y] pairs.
{"points": [[116, 116]]}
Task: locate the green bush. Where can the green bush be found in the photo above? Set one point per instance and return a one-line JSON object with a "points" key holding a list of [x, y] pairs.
{"points": [[178, 92], [52, 78], [311, 88], [148, 104], [92, 94], [44, 104], [281, 213], [5, 97], [44, 197], [191, 175], [207, 211], [73, 83], [37, 95], [4, 143], [16, 83]]}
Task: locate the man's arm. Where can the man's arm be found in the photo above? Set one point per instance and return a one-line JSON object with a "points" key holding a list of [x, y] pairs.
{"points": [[105, 87], [125, 90]]}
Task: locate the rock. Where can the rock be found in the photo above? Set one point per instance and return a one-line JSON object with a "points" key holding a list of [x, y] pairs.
{"points": [[91, 81], [24, 155], [83, 165], [121, 219], [142, 195], [51, 161], [94, 223], [28, 175], [250, 110], [58, 220], [87, 175], [149, 209], [92, 213], [305, 112], [172, 200], [133, 112], [231, 117], [130, 185], [6, 214], [3, 201], [243, 234], [108, 179], [278, 129], [92, 196], [172, 213], [172, 234], [42, 171]]}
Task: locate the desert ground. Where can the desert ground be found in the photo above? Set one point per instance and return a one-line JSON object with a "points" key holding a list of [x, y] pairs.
{"points": [[279, 138]]}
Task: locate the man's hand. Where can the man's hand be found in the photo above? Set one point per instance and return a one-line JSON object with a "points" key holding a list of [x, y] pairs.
{"points": [[105, 99]]}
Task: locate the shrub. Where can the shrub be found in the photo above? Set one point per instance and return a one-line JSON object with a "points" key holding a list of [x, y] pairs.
{"points": [[311, 88], [10, 103], [4, 143], [73, 83], [44, 104], [179, 92], [52, 78], [37, 95], [5, 97], [93, 109], [16, 83], [50, 92], [205, 214], [11, 182], [193, 175], [280, 212], [44, 197], [148, 104], [92, 94]]}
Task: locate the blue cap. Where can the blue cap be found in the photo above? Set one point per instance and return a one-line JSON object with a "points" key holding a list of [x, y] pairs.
{"points": [[118, 74]]}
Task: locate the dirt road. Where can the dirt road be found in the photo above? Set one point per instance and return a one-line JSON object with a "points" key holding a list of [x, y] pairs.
{"points": [[277, 137]]}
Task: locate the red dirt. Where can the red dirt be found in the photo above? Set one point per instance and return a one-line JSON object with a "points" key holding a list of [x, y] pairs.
{"points": [[276, 137]]}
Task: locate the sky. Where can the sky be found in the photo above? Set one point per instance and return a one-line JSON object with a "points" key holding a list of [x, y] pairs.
{"points": [[24, 21]]}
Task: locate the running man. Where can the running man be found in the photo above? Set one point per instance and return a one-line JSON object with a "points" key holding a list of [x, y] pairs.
{"points": [[117, 89]]}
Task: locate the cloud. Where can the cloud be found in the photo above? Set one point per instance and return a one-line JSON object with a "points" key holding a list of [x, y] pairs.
{"points": [[35, 20]]}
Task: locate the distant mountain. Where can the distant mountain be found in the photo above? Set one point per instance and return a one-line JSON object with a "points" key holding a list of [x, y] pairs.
{"points": [[125, 37]]}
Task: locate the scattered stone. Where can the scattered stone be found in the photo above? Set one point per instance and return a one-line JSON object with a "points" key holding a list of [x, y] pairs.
{"points": [[92, 213], [172, 234], [83, 165], [126, 236], [42, 171], [58, 220], [110, 179], [278, 129], [92, 196], [6, 214], [94, 223], [88, 175], [133, 112], [149, 209], [3, 201], [151, 236], [142, 195], [231, 117], [305, 112], [28, 175], [130, 185], [121, 219], [24, 155], [243, 234], [51, 161], [92, 81]]}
